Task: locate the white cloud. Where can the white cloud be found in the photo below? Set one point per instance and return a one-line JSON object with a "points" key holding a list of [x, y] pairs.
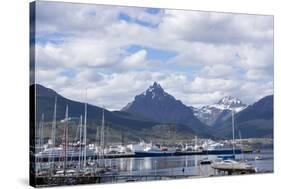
{"points": [[216, 54], [204, 85], [135, 60], [256, 57], [210, 27], [217, 71], [59, 17], [258, 74], [51, 78], [90, 75]]}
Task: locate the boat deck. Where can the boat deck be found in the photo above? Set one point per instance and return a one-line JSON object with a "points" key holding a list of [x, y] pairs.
{"points": [[233, 168]]}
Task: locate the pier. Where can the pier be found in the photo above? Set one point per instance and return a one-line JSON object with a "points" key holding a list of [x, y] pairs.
{"points": [[131, 155], [76, 158]]}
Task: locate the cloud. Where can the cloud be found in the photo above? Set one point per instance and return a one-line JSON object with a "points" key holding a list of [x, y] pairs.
{"points": [[216, 28], [204, 85], [81, 46], [69, 18], [217, 71], [258, 74], [256, 57], [112, 90], [136, 59]]}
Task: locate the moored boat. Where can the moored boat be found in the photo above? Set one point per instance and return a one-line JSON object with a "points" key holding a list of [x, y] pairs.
{"points": [[155, 151]]}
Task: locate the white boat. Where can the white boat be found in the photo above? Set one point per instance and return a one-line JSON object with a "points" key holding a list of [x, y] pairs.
{"points": [[155, 151], [258, 158], [231, 166], [69, 172], [205, 161]]}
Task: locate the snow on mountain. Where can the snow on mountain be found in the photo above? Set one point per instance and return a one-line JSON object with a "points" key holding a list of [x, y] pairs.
{"points": [[230, 103], [211, 113]]}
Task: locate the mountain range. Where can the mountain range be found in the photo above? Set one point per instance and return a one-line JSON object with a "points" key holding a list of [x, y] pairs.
{"points": [[214, 114], [157, 105], [156, 114], [254, 121], [121, 124]]}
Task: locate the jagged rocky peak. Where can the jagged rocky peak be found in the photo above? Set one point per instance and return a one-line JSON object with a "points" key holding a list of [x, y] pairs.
{"points": [[156, 87], [155, 90], [157, 105]]}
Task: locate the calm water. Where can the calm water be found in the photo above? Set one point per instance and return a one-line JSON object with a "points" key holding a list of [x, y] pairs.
{"points": [[174, 165], [190, 164]]}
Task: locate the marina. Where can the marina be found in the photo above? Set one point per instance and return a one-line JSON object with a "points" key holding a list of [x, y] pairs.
{"points": [[160, 168], [77, 162]]}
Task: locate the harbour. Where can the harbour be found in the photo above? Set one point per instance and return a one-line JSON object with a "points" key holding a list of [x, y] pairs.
{"points": [[71, 161], [160, 168]]}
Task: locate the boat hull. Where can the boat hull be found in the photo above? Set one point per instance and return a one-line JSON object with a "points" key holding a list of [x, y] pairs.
{"points": [[153, 154], [221, 151]]}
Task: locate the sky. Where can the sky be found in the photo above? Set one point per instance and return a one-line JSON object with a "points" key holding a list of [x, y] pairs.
{"points": [[117, 52]]}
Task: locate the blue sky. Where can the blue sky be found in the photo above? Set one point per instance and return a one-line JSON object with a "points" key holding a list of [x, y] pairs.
{"points": [[117, 52]]}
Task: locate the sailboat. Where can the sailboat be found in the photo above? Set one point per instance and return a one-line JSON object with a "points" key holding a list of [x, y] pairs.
{"points": [[51, 159], [66, 151], [100, 166], [39, 145], [80, 141], [85, 136], [85, 169], [65, 140], [230, 165]]}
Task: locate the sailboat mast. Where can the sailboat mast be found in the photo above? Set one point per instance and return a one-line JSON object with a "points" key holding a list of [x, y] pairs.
{"points": [[80, 141], [97, 152], [233, 135], [85, 132], [53, 137], [41, 136], [241, 145], [102, 135], [65, 140], [41, 131], [196, 141]]}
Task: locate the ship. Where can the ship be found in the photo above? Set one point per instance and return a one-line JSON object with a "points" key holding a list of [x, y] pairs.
{"points": [[221, 151], [154, 151]]}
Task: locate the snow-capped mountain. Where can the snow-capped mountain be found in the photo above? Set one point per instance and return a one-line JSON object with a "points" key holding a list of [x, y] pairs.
{"points": [[157, 105], [254, 121], [230, 103], [220, 111]]}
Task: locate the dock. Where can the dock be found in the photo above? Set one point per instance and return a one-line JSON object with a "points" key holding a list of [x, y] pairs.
{"points": [[76, 158], [132, 154]]}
